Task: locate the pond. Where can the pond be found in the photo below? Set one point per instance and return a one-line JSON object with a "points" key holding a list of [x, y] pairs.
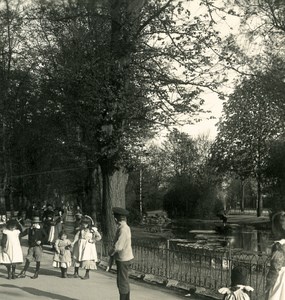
{"points": [[212, 234]]}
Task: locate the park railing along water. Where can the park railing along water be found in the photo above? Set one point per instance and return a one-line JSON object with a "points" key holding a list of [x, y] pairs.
{"points": [[200, 266]]}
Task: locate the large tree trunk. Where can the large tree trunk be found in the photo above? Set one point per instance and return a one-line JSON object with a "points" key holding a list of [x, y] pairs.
{"points": [[96, 195], [114, 192], [114, 180]]}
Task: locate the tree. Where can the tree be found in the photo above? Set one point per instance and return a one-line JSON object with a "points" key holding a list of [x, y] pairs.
{"points": [[274, 174], [13, 70], [253, 116], [189, 187], [111, 72], [181, 154]]}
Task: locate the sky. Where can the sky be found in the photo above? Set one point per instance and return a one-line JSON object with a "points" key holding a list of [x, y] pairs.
{"points": [[206, 126], [212, 103]]}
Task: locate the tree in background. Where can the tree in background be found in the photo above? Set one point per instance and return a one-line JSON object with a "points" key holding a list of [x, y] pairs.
{"points": [[111, 70], [188, 187], [253, 117], [274, 172]]}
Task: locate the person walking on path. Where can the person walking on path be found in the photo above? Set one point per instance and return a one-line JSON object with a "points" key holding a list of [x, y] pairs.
{"points": [[55, 227], [11, 251], [36, 237], [84, 247], [62, 256], [122, 252]]}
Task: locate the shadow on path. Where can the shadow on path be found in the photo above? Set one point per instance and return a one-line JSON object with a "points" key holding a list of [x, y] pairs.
{"points": [[37, 292]]}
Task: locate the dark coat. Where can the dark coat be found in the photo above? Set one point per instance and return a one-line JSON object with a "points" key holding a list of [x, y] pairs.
{"points": [[34, 235]]}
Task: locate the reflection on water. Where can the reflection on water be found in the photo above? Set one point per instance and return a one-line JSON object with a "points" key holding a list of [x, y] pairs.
{"points": [[246, 238]]}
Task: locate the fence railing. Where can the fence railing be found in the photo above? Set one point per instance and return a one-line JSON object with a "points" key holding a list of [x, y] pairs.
{"points": [[200, 267]]}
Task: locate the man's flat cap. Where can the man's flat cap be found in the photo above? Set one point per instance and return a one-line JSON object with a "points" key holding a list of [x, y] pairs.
{"points": [[120, 211]]}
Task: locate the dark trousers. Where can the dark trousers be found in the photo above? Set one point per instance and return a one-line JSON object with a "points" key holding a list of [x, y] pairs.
{"points": [[123, 276]]}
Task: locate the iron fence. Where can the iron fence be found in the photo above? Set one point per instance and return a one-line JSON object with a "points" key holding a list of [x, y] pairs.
{"points": [[199, 266]]}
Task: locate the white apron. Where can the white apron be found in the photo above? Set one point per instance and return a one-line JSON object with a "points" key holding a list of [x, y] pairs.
{"points": [[13, 250], [278, 290]]}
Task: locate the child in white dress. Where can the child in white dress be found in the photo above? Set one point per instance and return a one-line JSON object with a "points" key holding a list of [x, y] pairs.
{"points": [[84, 247], [275, 280], [238, 289], [62, 257], [11, 250]]}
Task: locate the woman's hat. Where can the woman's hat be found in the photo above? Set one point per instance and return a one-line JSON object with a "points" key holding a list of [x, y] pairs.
{"points": [[36, 220], [278, 224], [87, 220]]}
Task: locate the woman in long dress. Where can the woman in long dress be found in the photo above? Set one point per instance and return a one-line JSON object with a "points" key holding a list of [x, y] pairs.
{"points": [[84, 247], [11, 250], [275, 280]]}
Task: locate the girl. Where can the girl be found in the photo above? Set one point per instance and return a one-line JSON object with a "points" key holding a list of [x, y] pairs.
{"points": [[84, 248], [62, 256], [11, 253], [275, 280], [238, 289]]}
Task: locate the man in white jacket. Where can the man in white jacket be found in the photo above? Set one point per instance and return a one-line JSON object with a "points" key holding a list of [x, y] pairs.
{"points": [[122, 252]]}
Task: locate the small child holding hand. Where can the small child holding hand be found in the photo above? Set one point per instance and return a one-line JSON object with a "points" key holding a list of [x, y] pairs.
{"points": [[62, 256]]}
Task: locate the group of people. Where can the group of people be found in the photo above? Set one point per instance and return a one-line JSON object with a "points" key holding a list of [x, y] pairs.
{"points": [[53, 219], [81, 252]]}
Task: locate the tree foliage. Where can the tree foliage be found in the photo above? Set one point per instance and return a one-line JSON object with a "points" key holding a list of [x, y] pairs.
{"points": [[274, 173], [92, 80], [253, 117]]}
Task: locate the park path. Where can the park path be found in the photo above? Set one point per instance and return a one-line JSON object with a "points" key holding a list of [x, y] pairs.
{"points": [[100, 286]]}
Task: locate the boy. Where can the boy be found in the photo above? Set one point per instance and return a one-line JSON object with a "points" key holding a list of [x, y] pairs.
{"points": [[36, 237]]}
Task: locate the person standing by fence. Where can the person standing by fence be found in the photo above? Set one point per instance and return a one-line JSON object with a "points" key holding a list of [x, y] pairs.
{"points": [[275, 280], [239, 288], [122, 252]]}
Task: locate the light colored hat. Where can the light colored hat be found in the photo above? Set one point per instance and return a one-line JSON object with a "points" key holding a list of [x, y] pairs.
{"points": [[87, 220]]}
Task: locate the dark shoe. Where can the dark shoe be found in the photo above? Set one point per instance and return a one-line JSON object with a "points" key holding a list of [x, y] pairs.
{"points": [[9, 276], [21, 275], [75, 275], [85, 277], [36, 275]]}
